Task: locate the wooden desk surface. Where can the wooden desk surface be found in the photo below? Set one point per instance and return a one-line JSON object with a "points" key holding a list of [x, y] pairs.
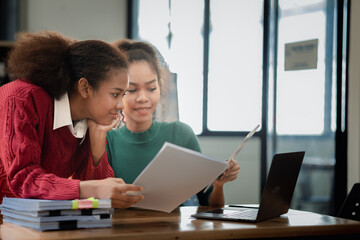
{"points": [[146, 224]]}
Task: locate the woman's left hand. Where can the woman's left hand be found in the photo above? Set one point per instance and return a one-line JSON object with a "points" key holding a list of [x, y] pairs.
{"points": [[99, 129], [97, 134], [230, 174]]}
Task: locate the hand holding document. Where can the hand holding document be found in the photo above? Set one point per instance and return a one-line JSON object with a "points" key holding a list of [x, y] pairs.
{"points": [[174, 175], [233, 156]]}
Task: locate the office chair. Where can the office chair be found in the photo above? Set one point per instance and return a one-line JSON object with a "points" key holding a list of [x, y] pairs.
{"points": [[351, 206]]}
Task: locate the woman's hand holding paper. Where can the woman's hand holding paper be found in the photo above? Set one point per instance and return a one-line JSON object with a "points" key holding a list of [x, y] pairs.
{"points": [[230, 174], [114, 188]]}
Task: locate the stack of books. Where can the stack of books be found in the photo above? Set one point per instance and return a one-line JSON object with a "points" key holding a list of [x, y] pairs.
{"points": [[44, 215]]}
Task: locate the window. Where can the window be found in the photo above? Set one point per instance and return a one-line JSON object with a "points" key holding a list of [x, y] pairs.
{"points": [[235, 65], [234, 58], [304, 97], [229, 56], [180, 41]]}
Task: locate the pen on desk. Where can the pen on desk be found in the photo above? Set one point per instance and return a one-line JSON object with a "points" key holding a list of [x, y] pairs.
{"points": [[250, 134]]}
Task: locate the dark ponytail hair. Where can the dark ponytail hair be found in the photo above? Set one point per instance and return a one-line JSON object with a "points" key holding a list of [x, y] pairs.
{"points": [[56, 63]]}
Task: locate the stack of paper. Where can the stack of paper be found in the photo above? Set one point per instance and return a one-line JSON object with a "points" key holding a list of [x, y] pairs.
{"points": [[43, 215]]}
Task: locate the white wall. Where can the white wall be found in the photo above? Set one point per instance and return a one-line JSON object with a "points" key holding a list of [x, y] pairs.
{"points": [[79, 19], [354, 96]]}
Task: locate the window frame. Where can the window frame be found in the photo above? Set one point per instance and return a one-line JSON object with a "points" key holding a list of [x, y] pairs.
{"points": [[270, 13]]}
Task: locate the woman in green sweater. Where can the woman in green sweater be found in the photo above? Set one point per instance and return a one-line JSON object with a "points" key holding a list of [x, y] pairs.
{"points": [[131, 147]]}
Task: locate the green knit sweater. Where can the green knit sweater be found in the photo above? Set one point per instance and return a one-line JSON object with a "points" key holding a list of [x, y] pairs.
{"points": [[129, 153]]}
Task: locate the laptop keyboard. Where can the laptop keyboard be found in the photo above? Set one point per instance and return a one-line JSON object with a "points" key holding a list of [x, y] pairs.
{"points": [[250, 214]]}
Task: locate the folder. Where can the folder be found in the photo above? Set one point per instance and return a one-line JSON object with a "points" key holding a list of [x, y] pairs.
{"points": [[44, 215]]}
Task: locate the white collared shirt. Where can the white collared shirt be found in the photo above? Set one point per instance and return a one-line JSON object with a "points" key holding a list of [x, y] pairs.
{"points": [[62, 117]]}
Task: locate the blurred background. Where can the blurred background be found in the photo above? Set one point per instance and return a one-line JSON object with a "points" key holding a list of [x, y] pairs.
{"points": [[290, 66]]}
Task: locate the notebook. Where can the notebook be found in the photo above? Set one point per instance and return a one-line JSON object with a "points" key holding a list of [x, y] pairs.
{"points": [[22, 204], [65, 212], [276, 197], [61, 225], [44, 215], [53, 218]]}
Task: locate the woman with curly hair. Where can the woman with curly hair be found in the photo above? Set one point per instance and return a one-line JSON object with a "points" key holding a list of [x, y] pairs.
{"points": [[55, 116]]}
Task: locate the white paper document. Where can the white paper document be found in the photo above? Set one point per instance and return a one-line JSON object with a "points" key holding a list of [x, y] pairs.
{"points": [[174, 175]]}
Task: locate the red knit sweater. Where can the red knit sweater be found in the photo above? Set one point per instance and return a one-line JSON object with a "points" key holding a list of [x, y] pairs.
{"points": [[37, 161]]}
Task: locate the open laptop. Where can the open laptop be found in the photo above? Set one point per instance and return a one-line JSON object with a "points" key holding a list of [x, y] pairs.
{"points": [[276, 197]]}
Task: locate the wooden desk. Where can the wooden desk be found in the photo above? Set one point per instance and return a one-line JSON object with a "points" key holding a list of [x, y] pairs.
{"points": [[144, 224]]}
